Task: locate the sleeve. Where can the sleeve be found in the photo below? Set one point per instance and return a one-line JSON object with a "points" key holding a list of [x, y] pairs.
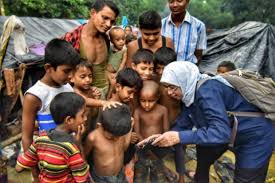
{"points": [[202, 38], [183, 121], [79, 168], [217, 131], [29, 158]]}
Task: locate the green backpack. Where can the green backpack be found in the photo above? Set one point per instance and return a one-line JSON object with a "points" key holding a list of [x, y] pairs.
{"points": [[256, 89]]}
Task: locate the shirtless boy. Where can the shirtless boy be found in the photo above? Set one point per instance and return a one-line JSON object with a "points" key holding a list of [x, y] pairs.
{"points": [[105, 146], [150, 118], [150, 28]]}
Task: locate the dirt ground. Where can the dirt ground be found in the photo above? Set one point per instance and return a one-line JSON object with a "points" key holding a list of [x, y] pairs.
{"points": [[25, 177]]}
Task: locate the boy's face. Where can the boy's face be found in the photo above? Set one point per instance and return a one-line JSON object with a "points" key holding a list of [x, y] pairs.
{"points": [[178, 7], [150, 37], [103, 19], [128, 31], [118, 39], [144, 69], [61, 74], [125, 93], [82, 78], [148, 100], [222, 70], [159, 69], [79, 119]]}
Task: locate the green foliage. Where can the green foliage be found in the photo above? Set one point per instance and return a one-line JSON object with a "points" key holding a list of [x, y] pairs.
{"points": [[48, 8]]}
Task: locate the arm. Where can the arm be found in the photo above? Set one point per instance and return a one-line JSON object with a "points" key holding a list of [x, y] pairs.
{"points": [[137, 124], [28, 159], [130, 52], [166, 123], [88, 145], [198, 54], [31, 106], [78, 167], [201, 43], [123, 62], [210, 101], [169, 43]]}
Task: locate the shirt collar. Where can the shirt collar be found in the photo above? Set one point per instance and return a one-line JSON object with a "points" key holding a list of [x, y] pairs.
{"points": [[187, 18]]}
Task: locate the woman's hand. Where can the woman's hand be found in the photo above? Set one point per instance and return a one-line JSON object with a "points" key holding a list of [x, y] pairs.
{"points": [[147, 140], [109, 104], [167, 139]]}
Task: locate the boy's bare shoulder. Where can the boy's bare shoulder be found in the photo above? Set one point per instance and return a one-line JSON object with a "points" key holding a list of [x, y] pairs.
{"points": [[92, 136], [161, 108]]}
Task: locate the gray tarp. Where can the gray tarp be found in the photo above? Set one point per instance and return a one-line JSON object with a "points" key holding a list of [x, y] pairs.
{"points": [[39, 30], [250, 45]]}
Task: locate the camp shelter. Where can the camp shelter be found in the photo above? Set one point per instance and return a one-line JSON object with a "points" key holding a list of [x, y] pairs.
{"points": [[250, 45]]}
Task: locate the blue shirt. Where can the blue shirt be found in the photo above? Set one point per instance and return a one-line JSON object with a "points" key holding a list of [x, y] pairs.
{"points": [[253, 143], [188, 37]]}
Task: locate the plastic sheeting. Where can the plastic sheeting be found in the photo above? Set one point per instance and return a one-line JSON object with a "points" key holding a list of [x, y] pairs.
{"points": [[38, 30], [250, 45]]}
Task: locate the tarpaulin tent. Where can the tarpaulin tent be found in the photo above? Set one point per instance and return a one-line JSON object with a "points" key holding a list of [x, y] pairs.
{"points": [[250, 45]]}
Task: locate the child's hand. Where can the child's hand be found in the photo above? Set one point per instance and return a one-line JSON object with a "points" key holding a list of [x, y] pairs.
{"points": [[134, 138], [80, 131], [109, 104], [96, 92]]}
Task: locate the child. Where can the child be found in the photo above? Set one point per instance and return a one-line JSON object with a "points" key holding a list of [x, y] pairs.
{"points": [[225, 66], [128, 82], [163, 56], [150, 118], [82, 80], [118, 55], [143, 63], [57, 152], [105, 146], [128, 30], [151, 38], [60, 59]]}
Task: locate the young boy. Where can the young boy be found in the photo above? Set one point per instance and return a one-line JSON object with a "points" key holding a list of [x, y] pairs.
{"points": [[143, 63], [82, 80], [105, 146], [60, 59], [150, 118], [57, 152], [150, 28], [128, 82], [162, 57], [225, 66]]}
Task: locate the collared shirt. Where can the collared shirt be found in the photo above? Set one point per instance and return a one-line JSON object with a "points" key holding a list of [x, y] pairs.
{"points": [[188, 37]]}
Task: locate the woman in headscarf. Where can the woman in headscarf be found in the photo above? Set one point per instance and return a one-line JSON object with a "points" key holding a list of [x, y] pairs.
{"points": [[205, 107]]}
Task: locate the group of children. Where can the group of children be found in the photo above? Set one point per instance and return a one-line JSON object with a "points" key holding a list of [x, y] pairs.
{"points": [[83, 137]]}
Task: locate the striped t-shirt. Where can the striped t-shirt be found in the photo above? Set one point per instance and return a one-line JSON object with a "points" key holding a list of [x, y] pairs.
{"points": [[58, 162], [188, 37]]}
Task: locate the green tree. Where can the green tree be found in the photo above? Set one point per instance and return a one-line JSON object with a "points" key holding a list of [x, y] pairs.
{"points": [[211, 13]]}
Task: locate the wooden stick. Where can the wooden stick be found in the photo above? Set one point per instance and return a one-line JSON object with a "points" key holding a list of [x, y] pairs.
{"points": [[11, 140]]}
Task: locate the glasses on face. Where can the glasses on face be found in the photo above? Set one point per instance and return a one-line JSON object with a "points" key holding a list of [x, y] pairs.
{"points": [[170, 87]]}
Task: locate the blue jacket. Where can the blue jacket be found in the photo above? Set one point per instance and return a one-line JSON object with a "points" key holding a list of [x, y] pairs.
{"points": [[253, 144]]}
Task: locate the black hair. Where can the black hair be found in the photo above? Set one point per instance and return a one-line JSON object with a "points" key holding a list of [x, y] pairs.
{"points": [[84, 63], [100, 4], [117, 120], [228, 64], [149, 20], [65, 104], [143, 55], [129, 27], [129, 38], [111, 32], [129, 77], [165, 56], [60, 52]]}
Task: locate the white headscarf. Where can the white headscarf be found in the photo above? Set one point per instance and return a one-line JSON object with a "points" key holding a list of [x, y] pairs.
{"points": [[184, 75]]}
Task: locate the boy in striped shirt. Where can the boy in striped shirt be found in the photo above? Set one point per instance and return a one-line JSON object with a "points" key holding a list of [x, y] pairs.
{"points": [[56, 152]]}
